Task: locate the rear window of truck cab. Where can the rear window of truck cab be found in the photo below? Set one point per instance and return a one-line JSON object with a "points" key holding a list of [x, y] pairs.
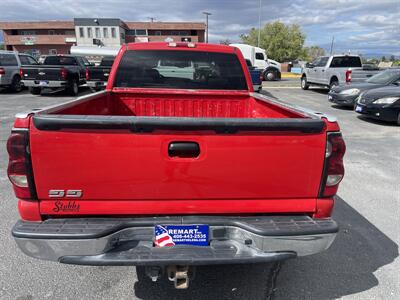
{"points": [[346, 62], [180, 70], [60, 61]]}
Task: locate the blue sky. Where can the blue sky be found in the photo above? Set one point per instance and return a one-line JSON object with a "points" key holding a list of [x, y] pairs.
{"points": [[369, 27]]}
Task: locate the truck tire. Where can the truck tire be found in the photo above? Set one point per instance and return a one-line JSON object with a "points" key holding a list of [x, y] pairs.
{"points": [[304, 83], [35, 90], [334, 82], [270, 75], [16, 84], [398, 120], [73, 87]]}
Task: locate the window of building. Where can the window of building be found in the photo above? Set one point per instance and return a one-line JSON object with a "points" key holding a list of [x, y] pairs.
{"points": [[113, 33], [97, 32], [27, 32], [105, 32], [51, 32], [89, 32], [141, 32], [53, 51], [69, 32], [81, 32], [158, 32]]}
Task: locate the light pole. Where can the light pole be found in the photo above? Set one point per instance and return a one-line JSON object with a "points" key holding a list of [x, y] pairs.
{"points": [[259, 25], [207, 14]]}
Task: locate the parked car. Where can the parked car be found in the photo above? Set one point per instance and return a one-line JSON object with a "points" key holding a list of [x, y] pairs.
{"points": [[382, 103], [58, 72], [256, 76], [164, 171], [271, 69], [330, 71], [347, 94], [10, 65], [97, 76]]}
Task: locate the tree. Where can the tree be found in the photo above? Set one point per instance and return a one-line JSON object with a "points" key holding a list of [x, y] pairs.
{"points": [[392, 58], [282, 42], [383, 58], [311, 53], [2, 47], [225, 42]]}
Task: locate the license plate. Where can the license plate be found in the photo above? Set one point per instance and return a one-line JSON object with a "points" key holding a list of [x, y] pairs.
{"points": [[42, 83], [170, 235], [358, 108]]}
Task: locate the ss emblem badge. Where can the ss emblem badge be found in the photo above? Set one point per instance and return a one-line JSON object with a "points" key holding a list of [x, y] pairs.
{"points": [[65, 193]]}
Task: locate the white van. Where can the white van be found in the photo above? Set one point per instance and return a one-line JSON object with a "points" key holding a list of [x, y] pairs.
{"points": [[256, 55], [259, 59]]}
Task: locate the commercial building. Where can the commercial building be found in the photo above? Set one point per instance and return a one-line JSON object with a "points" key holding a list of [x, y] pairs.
{"points": [[39, 37], [57, 37]]}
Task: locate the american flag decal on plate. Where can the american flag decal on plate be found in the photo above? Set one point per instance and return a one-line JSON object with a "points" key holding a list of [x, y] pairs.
{"points": [[162, 238]]}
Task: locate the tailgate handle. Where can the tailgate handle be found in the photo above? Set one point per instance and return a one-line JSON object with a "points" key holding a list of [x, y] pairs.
{"points": [[184, 149]]}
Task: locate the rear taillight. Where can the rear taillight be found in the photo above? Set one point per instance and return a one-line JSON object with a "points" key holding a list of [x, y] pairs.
{"points": [[19, 165], [333, 169], [63, 73], [87, 74], [261, 77], [348, 75], [21, 72], [2, 71]]}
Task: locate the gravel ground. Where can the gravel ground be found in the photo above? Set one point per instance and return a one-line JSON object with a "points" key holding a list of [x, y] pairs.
{"points": [[362, 263]]}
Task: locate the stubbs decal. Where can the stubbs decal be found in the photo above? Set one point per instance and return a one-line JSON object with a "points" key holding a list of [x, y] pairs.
{"points": [[64, 206]]}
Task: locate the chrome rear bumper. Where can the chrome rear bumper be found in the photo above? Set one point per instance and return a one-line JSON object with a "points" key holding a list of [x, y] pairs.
{"points": [[130, 241]]}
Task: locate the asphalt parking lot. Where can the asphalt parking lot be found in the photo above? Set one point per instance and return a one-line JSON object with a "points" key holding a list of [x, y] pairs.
{"points": [[361, 264]]}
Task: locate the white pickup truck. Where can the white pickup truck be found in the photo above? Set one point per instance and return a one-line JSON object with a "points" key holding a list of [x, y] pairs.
{"points": [[329, 71]]}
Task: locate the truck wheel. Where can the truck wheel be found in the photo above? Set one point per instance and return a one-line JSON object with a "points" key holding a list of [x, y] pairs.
{"points": [[334, 82], [398, 119], [73, 87], [35, 90], [304, 83], [270, 75], [16, 84]]}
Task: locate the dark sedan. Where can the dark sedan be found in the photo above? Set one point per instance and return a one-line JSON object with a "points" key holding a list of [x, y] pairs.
{"points": [[382, 104], [346, 95]]}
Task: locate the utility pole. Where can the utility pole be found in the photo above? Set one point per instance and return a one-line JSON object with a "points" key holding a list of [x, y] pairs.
{"points": [[259, 25], [333, 40], [207, 14]]}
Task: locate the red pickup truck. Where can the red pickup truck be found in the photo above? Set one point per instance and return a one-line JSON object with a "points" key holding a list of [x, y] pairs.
{"points": [[171, 168]]}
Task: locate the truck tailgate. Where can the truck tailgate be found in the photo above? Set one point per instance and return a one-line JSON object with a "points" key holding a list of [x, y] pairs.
{"points": [[42, 73], [119, 165]]}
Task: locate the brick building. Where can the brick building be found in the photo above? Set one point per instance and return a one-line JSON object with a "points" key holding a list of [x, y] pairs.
{"points": [[57, 37]]}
